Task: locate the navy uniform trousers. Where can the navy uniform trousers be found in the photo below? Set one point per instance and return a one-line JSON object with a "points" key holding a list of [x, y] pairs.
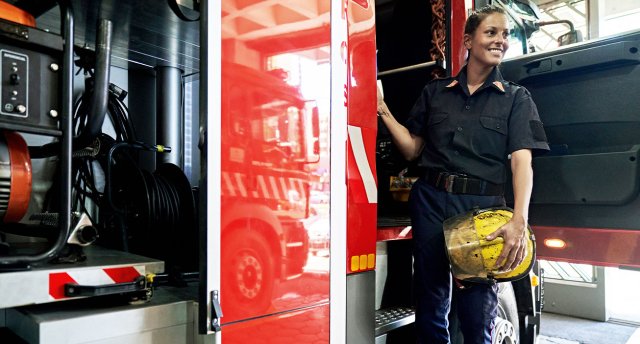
{"points": [[477, 304]]}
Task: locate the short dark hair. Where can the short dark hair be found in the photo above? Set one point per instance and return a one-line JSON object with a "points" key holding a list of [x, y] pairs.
{"points": [[478, 16]]}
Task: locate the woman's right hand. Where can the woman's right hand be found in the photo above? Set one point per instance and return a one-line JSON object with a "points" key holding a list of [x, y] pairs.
{"points": [[410, 145], [383, 110]]}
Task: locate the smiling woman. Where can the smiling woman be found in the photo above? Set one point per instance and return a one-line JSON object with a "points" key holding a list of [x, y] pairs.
{"points": [[486, 37], [461, 131]]}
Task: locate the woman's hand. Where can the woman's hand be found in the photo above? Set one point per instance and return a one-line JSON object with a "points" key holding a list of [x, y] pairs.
{"points": [[514, 231], [515, 244], [383, 110], [410, 145]]}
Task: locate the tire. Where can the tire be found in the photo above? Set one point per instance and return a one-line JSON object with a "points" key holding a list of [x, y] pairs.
{"points": [[247, 275], [507, 327]]}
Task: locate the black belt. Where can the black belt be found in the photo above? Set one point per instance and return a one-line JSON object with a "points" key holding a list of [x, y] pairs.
{"points": [[462, 184]]}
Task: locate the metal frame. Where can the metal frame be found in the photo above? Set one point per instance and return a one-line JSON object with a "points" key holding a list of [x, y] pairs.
{"points": [[338, 205], [210, 134]]}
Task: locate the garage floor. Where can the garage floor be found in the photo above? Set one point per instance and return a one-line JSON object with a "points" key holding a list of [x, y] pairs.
{"points": [[560, 329]]}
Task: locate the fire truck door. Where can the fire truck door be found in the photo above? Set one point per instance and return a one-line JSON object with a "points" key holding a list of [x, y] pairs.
{"points": [[586, 190], [265, 75]]}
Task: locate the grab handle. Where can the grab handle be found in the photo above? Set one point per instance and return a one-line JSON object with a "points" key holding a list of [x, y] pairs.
{"points": [[602, 56]]}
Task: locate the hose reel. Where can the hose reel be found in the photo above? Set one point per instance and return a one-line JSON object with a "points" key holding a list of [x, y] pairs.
{"points": [[156, 211]]}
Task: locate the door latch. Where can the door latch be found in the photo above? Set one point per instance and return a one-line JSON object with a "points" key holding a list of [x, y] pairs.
{"points": [[216, 311]]}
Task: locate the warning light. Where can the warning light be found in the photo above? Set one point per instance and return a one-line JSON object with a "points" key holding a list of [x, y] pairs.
{"points": [[555, 243]]}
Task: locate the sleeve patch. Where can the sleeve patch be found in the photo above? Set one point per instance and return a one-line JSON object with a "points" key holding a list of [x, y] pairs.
{"points": [[537, 129]]}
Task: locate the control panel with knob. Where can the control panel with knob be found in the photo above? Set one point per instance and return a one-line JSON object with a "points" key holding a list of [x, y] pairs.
{"points": [[31, 76], [14, 74]]}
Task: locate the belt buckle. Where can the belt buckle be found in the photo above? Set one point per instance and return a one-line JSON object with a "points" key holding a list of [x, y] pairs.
{"points": [[448, 182]]}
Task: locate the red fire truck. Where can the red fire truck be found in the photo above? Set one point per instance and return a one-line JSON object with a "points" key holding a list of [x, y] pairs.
{"points": [[276, 216]]}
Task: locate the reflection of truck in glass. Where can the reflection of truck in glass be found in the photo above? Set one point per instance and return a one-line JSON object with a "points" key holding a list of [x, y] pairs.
{"points": [[269, 143]]}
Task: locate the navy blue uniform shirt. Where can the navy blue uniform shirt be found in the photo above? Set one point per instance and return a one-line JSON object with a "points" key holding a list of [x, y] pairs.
{"points": [[474, 134]]}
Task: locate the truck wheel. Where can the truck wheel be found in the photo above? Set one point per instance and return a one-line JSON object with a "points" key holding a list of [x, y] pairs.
{"points": [[507, 326], [247, 275]]}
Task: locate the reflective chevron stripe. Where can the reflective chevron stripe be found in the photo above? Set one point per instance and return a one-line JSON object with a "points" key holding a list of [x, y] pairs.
{"points": [[93, 277], [267, 187], [359, 152]]}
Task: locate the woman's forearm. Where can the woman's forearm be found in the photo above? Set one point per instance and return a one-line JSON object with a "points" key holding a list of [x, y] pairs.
{"points": [[408, 144], [522, 183]]}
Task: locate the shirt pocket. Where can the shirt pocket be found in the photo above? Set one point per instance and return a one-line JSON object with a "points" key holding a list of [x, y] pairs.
{"points": [[438, 131], [496, 124], [491, 141]]}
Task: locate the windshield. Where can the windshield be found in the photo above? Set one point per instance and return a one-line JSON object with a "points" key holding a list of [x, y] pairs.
{"points": [[589, 20]]}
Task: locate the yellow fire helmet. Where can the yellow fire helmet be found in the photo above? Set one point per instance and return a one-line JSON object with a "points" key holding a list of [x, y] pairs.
{"points": [[472, 257]]}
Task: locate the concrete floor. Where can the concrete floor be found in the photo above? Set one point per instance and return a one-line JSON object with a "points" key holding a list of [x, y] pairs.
{"points": [[550, 340], [560, 329], [622, 305]]}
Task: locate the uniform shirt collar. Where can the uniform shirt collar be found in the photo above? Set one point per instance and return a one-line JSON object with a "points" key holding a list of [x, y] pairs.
{"points": [[493, 80]]}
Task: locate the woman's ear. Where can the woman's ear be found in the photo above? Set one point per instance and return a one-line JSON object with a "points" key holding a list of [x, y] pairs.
{"points": [[467, 41]]}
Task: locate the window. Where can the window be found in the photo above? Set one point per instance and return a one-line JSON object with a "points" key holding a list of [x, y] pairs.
{"points": [[517, 40], [277, 123], [547, 37], [568, 272]]}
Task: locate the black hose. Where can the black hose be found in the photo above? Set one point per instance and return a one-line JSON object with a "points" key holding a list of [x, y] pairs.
{"points": [[160, 205], [99, 99], [108, 174], [163, 196], [97, 109], [167, 208]]}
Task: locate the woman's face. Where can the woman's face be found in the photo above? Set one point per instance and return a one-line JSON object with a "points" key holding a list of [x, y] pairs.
{"points": [[488, 44]]}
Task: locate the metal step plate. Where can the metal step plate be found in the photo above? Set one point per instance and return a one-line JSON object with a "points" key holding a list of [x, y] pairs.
{"points": [[392, 318]]}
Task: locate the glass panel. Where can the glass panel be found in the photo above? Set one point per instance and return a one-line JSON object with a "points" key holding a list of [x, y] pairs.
{"points": [[547, 37], [309, 71], [517, 40], [275, 95], [522, 9], [619, 16], [568, 271]]}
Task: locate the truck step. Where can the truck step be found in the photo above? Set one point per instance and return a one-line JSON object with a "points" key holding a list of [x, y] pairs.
{"points": [[397, 221], [389, 319]]}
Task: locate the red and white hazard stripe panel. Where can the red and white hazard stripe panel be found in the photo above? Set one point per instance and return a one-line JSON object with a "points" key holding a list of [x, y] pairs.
{"points": [[267, 187], [93, 277], [364, 163]]}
